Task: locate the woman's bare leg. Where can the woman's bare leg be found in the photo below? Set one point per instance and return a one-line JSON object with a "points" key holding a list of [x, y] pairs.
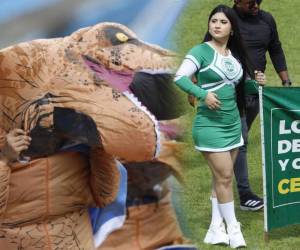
{"points": [[221, 166], [234, 154]]}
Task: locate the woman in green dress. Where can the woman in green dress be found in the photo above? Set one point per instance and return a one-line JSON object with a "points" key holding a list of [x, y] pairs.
{"points": [[220, 66]]}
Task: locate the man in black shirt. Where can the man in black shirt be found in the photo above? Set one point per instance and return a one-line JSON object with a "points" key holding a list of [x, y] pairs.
{"points": [[258, 29]]}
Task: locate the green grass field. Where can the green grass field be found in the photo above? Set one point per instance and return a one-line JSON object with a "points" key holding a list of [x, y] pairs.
{"points": [[189, 31]]}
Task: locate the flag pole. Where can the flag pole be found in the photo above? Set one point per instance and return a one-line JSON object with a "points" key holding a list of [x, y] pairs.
{"points": [[261, 115]]}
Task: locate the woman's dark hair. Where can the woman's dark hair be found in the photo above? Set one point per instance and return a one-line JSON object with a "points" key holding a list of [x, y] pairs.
{"points": [[237, 48]]}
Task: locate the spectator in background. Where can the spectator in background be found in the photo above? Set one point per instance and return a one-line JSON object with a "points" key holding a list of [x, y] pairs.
{"points": [[259, 32]]}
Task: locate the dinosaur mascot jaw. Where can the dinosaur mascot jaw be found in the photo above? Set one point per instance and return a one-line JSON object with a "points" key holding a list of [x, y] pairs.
{"points": [[154, 89]]}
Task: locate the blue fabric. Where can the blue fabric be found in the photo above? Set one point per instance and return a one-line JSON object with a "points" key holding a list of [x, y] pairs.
{"points": [[99, 216]]}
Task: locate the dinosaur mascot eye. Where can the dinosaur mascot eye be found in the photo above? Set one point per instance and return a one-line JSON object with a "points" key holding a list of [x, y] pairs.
{"points": [[121, 37]]}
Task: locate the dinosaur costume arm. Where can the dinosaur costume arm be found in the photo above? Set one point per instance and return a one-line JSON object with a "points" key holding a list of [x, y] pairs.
{"points": [[4, 176], [104, 178], [4, 185]]}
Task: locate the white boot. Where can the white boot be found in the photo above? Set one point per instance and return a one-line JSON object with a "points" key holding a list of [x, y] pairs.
{"points": [[216, 234], [235, 235]]}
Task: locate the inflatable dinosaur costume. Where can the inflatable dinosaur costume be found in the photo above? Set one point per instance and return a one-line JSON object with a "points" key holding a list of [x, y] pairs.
{"points": [[151, 221], [77, 90]]}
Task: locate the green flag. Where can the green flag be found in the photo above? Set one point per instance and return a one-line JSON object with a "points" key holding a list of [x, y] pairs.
{"points": [[280, 130]]}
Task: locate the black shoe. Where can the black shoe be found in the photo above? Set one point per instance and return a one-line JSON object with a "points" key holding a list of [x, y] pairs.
{"points": [[251, 202]]}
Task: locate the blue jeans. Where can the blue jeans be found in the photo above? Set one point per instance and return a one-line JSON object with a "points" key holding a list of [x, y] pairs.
{"points": [[241, 165]]}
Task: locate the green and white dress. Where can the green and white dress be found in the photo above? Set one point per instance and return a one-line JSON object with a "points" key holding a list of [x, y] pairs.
{"points": [[213, 130]]}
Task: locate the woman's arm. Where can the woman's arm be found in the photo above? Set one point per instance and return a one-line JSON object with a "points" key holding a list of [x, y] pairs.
{"points": [[183, 79], [251, 85]]}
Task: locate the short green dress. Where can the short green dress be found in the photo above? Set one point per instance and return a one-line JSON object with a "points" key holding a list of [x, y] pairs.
{"points": [[214, 130]]}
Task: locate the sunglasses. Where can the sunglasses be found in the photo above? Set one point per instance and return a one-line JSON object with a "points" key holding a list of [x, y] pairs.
{"points": [[251, 4]]}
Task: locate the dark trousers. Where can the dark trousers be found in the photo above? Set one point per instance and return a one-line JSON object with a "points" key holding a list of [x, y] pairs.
{"points": [[241, 165]]}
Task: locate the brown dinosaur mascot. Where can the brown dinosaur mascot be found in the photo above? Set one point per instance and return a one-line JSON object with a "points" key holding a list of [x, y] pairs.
{"points": [[79, 89]]}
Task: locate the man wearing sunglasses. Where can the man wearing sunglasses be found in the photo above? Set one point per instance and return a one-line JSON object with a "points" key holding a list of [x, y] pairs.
{"points": [[258, 29]]}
